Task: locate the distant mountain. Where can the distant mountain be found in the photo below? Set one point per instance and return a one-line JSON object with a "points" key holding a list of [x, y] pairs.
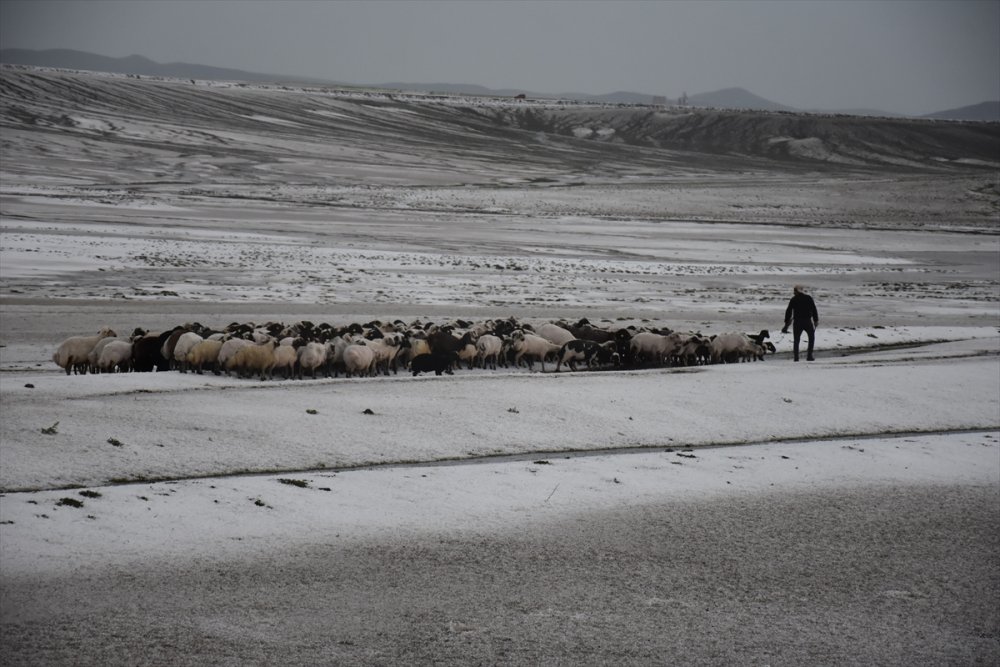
{"points": [[728, 98], [735, 98], [70, 59], [981, 111]]}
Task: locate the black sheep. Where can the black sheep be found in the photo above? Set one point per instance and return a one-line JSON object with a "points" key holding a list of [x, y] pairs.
{"points": [[439, 362]]}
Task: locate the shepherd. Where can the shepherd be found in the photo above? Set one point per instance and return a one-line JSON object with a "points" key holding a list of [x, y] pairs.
{"points": [[801, 314]]}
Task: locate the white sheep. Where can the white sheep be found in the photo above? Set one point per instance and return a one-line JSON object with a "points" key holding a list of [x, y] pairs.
{"points": [[530, 347], [554, 333], [72, 353], [116, 355], [310, 357], [488, 348], [655, 348], [359, 359], [386, 349], [185, 342], [732, 347], [167, 349], [335, 353], [230, 348], [94, 357], [286, 360]]}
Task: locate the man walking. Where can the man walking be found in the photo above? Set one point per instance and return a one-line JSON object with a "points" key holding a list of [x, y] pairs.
{"points": [[801, 314]]}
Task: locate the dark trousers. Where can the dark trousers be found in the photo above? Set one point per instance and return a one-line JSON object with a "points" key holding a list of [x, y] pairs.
{"points": [[798, 326]]}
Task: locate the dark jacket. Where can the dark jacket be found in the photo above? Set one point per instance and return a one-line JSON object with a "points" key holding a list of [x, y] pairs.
{"points": [[801, 308]]}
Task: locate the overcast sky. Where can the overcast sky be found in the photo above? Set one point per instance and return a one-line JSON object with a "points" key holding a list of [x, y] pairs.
{"points": [[904, 56]]}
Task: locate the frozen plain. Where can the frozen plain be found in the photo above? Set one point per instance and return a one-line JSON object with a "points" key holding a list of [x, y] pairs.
{"points": [[843, 511]]}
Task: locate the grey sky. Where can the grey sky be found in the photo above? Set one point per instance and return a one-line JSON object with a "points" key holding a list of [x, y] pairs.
{"points": [[903, 56]]}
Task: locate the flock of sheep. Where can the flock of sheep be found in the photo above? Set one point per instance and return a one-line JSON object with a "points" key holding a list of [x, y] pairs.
{"points": [[293, 351]]}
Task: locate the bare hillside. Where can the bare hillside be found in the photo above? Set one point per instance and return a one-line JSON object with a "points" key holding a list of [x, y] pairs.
{"points": [[110, 138], [806, 139], [499, 131]]}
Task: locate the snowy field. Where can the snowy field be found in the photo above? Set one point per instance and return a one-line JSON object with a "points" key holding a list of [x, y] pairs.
{"points": [[843, 511]]}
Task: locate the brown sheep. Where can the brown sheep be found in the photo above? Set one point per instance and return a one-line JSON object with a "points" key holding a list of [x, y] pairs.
{"points": [[254, 359]]}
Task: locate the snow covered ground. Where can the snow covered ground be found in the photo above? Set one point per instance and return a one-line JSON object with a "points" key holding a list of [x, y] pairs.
{"points": [[197, 434], [802, 512]]}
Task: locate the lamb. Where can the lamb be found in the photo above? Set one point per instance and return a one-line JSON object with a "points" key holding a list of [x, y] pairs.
{"points": [[204, 353], [507, 351], [254, 359], [623, 344], [116, 355], [761, 344], [588, 351], [72, 353]]}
